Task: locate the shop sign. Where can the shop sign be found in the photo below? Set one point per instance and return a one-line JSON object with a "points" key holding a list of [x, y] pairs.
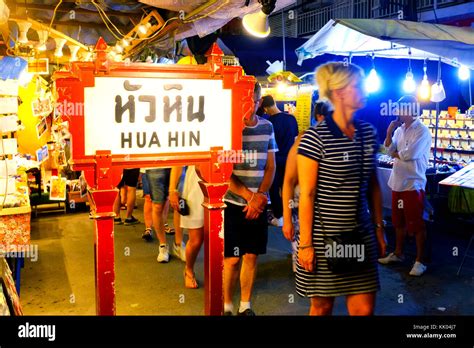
{"points": [[153, 115]]}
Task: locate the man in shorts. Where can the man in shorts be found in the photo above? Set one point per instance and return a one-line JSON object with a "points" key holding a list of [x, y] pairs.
{"points": [[410, 148], [245, 218], [129, 182]]}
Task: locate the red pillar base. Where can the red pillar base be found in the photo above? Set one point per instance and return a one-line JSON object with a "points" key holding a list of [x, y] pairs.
{"points": [[103, 201], [213, 246]]}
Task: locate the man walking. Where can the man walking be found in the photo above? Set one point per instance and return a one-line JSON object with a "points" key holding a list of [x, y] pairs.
{"points": [[286, 131], [245, 222]]}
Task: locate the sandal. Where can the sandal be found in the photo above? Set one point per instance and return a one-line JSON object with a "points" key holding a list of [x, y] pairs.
{"points": [[190, 281], [169, 230], [147, 235]]}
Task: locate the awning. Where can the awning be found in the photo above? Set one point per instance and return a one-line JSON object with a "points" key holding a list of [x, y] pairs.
{"points": [[389, 38]]}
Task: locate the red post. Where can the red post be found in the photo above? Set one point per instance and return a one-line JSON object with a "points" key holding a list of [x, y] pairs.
{"points": [[103, 197], [214, 186]]}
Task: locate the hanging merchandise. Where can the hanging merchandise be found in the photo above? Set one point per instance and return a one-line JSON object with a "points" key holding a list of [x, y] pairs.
{"points": [[438, 93], [57, 189], [303, 107]]}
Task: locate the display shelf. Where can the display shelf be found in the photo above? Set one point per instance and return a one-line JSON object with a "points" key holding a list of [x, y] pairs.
{"points": [[464, 152], [456, 139], [453, 129], [15, 211], [448, 119]]}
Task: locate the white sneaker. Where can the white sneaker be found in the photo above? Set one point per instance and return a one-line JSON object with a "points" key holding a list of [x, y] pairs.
{"points": [[391, 258], [418, 269], [180, 251], [163, 255], [277, 222]]}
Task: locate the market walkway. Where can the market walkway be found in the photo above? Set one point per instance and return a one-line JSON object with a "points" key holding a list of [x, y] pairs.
{"points": [[61, 281]]}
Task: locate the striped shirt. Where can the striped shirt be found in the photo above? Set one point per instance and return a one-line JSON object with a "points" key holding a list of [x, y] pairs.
{"points": [[341, 196], [257, 142]]}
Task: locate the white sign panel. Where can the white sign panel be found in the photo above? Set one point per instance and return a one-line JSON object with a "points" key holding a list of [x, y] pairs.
{"points": [[9, 87], [7, 186], [7, 167], [8, 123], [8, 105], [150, 115], [8, 146]]}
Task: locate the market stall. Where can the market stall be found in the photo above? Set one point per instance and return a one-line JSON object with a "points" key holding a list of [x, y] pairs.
{"points": [[452, 129]]}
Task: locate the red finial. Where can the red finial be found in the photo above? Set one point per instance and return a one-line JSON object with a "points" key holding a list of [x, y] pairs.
{"points": [[101, 63], [214, 57]]}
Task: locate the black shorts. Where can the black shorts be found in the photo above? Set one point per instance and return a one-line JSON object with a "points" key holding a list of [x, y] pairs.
{"points": [[242, 236], [129, 177]]}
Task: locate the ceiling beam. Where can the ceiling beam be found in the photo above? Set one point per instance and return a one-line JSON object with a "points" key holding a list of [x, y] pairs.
{"points": [[75, 23], [29, 6]]}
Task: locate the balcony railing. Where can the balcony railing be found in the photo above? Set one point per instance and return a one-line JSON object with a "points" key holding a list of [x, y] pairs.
{"points": [[310, 22]]}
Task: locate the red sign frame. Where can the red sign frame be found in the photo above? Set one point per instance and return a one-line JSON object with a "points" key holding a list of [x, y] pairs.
{"points": [[103, 170]]}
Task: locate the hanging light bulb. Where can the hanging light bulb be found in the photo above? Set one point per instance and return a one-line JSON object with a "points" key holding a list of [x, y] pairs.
{"points": [[281, 87], [118, 48], [125, 43], [424, 90], [74, 49], [372, 82], [23, 26], [409, 85], [464, 73], [43, 37], [59, 47], [143, 29]]}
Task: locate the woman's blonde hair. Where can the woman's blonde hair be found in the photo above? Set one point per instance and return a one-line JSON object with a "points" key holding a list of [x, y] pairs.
{"points": [[336, 75]]}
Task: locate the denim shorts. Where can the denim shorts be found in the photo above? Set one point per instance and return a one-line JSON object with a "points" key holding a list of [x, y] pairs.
{"points": [[159, 182], [145, 184]]}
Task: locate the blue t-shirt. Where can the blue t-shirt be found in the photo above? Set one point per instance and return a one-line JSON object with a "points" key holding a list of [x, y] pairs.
{"points": [[257, 141], [286, 130]]}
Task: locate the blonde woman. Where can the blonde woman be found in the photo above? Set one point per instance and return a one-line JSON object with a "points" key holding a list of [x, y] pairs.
{"points": [[338, 187]]}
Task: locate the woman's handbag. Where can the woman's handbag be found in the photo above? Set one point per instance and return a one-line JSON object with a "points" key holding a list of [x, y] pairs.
{"points": [[353, 248], [183, 207]]}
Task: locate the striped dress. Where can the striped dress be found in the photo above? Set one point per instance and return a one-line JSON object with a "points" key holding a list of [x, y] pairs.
{"points": [[338, 188]]}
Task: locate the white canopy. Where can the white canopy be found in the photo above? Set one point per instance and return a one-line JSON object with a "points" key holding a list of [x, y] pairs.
{"points": [[392, 39]]}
